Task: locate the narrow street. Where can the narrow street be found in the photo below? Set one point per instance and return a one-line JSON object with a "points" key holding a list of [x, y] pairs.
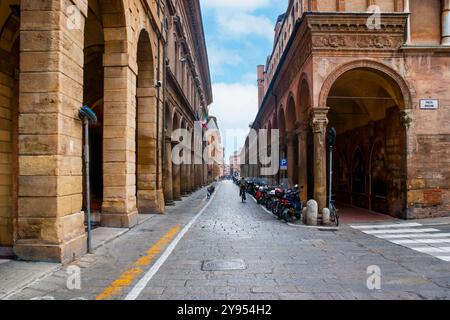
{"points": [[279, 261]]}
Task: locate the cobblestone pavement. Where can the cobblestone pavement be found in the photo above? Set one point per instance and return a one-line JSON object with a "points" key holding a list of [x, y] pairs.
{"points": [[282, 262]]}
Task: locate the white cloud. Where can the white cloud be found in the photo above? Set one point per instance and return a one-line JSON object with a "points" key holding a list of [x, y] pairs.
{"points": [[244, 25], [235, 106], [247, 5], [219, 58]]}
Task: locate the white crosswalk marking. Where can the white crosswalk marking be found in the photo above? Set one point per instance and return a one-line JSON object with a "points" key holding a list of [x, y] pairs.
{"points": [[413, 236], [396, 231], [386, 226]]}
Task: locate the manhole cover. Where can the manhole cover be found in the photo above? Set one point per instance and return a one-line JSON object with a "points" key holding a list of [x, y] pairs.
{"points": [[223, 265]]}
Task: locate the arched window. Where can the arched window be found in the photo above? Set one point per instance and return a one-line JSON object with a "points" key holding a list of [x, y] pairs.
{"points": [[358, 173]]}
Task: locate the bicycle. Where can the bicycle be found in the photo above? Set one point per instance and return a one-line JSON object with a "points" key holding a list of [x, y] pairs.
{"points": [[334, 213], [243, 194]]}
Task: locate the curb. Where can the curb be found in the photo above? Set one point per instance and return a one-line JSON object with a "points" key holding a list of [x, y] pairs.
{"points": [[324, 228]]}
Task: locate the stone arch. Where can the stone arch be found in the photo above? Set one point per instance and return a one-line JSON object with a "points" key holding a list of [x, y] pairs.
{"points": [[9, 105], [304, 99], [93, 97], [146, 128], [371, 65], [366, 100], [291, 115], [176, 169]]}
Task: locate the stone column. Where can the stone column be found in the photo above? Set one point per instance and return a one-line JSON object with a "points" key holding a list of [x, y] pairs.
{"points": [[302, 163], [184, 179], [445, 22], [319, 124], [188, 179], [291, 158], [168, 179], [50, 223], [119, 152], [176, 175], [408, 27]]}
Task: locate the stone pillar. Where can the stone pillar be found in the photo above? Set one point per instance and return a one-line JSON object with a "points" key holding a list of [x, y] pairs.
{"points": [[176, 175], [302, 165], [168, 180], [184, 179], [119, 152], [291, 159], [319, 124], [50, 223], [188, 179], [445, 22]]}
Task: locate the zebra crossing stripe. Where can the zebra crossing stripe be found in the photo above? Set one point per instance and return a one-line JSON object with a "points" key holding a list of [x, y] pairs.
{"points": [[414, 235], [432, 249], [396, 231], [421, 241], [387, 226], [444, 258]]}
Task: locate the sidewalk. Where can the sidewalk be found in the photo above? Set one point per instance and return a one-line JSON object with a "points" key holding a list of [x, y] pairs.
{"points": [[17, 275]]}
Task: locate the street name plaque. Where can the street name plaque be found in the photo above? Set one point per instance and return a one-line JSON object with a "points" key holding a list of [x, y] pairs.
{"points": [[429, 104]]}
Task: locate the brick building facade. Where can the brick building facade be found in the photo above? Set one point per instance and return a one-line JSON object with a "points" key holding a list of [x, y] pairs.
{"points": [[57, 55], [382, 82]]}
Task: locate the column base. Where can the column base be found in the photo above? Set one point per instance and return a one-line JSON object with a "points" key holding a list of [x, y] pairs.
{"points": [[29, 250], [119, 220], [151, 202], [6, 252], [169, 203]]}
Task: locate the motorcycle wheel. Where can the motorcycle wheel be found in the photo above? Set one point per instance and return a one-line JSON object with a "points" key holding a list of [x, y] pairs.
{"points": [[286, 216]]}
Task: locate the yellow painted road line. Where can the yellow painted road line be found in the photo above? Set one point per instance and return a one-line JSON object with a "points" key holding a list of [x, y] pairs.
{"points": [[130, 275], [145, 279]]}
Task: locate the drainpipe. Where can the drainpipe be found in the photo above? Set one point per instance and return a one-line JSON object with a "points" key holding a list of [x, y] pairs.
{"points": [[445, 23], [158, 104], [88, 117], [164, 155]]}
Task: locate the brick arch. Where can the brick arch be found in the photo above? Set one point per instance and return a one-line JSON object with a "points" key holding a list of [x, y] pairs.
{"points": [[365, 64], [304, 98], [146, 128], [291, 113]]}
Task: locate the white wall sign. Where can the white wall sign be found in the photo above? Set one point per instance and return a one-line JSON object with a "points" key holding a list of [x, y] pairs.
{"points": [[429, 104]]}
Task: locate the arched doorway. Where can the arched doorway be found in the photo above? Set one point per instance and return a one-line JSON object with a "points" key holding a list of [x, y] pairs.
{"points": [[365, 109], [146, 144], [9, 106], [93, 90]]}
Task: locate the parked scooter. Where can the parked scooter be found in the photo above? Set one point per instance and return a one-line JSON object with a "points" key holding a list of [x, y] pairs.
{"points": [[292, 206]]}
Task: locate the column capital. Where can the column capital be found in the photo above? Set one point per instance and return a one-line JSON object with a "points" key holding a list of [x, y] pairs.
{"points": [[319, 119]]}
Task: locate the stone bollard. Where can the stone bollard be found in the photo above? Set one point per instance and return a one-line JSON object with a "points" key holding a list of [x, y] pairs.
{"points": [[304, 213], [326, 216], [312, 213]]}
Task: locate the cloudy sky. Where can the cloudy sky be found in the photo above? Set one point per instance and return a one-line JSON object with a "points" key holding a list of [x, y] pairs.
{"points": [[239, 35]]}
